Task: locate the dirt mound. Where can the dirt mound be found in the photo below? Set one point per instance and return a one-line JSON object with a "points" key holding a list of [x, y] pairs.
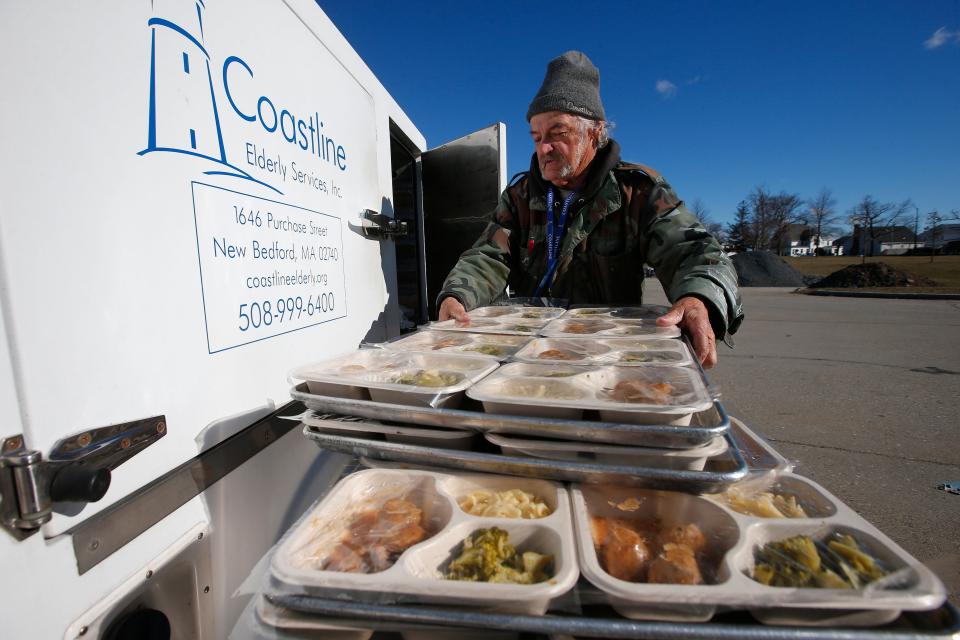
{"points": [[874, 274], [765, 269]]}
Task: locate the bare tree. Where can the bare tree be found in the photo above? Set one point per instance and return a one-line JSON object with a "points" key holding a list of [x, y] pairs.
{"points": [[759, 201], [771, 214], [872, 217], [699, 209], [822, 214]]}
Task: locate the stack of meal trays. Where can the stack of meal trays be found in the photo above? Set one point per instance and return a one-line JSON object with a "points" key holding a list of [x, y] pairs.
{"points": [[628, 402], [674, 512]]}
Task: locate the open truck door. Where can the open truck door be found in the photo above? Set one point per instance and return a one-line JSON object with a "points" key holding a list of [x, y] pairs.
{"points": [[185, 216], [462, 182], [442, 202]]}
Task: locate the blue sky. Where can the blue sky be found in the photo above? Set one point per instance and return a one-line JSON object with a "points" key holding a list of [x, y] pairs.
{"points": [[861, 97]]}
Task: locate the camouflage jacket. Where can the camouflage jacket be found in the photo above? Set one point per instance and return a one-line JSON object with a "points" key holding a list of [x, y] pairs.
{"points": [[625, 216]]}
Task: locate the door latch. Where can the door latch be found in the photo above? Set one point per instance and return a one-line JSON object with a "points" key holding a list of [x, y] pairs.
{"points": [[77, 470], [383, 228]]}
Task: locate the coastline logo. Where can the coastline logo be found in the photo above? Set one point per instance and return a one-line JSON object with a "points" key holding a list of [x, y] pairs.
{"points": [[184, 116]]}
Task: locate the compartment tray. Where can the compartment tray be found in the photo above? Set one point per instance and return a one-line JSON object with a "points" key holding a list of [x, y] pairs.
{"points": [[668, 479], [704, 427]]}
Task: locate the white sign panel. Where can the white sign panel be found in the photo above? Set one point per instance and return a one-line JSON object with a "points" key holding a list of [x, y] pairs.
{"points": [[266, 267]]}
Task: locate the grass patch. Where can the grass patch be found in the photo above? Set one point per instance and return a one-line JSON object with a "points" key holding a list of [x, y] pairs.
{"points": [[944, 270]]}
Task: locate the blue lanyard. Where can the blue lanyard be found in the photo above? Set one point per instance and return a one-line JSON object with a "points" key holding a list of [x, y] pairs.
{"points": [[554, 236]]}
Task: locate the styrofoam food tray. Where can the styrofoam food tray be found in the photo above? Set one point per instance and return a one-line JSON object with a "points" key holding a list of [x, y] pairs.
{"points": [[517, 312], [415, 577], [375, 372], [567, 327], [505, 325], [494, 345], [563, 391], [692, 459], [732, 539], [643, 312], [623, 352], [423, 436]]}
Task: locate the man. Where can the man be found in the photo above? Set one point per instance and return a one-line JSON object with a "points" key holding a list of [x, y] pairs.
{"points": [[607, 219]]}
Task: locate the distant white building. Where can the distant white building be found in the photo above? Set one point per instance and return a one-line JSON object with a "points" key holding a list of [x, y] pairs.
{"points": [[801, 240], [940, 235], [886, 241]]}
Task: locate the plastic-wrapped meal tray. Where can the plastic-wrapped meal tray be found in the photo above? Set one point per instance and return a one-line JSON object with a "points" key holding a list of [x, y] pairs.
{"points": [[704, 425], [645, 312], [359, 427], [694, 459], [422, 379], [413, 536], [618, 351], [642, 395], [495, 345], [573, 327], [507, 325], [517, 312], [675, 556]]}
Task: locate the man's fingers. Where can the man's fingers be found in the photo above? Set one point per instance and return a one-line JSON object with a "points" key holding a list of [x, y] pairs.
{"points": [[670, 318], [706, 347], [451, 309], [710, 360]]}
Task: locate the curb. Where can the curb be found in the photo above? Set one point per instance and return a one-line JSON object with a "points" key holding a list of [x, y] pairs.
{"points": [[880, 294]]}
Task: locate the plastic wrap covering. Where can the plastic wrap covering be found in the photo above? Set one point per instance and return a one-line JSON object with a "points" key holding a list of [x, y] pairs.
{"points": [[421, 379], [679, 564], [492, 543], [676, 556], [644, 395]]}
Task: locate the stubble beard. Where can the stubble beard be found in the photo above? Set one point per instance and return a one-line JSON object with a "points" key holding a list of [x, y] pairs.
{"points": [[569, 167]]}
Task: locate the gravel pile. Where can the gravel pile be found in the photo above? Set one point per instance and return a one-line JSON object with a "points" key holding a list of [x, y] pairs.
{"points": [[874, 274], [765, 269]]}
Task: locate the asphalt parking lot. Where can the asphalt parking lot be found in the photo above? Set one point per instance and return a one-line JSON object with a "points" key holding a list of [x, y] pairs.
{"points": [[864, 394]]}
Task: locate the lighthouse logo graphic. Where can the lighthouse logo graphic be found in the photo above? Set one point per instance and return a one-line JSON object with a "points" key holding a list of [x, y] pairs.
{"points": [[183, 116]]}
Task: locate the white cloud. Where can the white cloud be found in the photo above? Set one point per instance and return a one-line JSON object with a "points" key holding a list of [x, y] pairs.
{"points": [[694, 80], [666, 89], [941, 37]]}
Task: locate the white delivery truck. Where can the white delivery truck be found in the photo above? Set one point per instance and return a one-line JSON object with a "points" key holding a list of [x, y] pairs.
{"points": [[195, 197]]}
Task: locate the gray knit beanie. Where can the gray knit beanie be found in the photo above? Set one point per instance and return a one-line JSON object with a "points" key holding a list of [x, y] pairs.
{"points": [[572, 84]]}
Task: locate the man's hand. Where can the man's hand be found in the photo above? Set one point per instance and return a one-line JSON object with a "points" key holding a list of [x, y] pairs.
{"points": [[691, 315], [450, 308]]}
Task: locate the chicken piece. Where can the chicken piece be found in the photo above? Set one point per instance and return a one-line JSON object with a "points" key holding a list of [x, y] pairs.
{"points": [[557, 354], [345, 559], [598, 530], [398, 526], [624, 553], [676, 564], [360, 527], [401, 511], [380, 558], [688, 535], [641, 392]]}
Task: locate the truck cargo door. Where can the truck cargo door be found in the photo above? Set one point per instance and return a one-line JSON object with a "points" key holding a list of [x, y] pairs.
{"points": [[462, 181]]}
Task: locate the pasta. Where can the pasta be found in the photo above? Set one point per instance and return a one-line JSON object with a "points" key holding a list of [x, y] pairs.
{"points": [[512, 503], [765, 504]]}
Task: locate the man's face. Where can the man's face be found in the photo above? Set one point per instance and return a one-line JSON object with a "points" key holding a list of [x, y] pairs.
{"points": [[561, 146]]}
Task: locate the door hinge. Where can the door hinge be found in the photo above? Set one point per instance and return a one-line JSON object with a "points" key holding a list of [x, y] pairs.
{"points": [[383, 228], [76, 471]]}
